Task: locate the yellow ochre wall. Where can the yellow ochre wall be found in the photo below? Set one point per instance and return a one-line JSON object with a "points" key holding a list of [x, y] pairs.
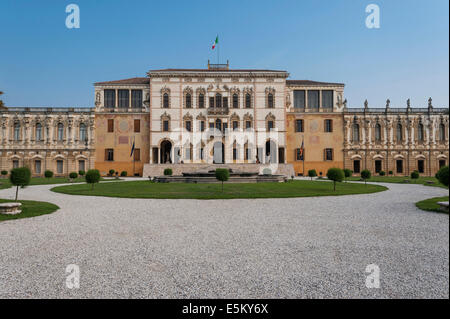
{"points": [[121, 140], [316, 140]]}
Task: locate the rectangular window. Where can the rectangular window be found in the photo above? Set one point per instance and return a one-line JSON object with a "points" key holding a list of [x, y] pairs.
{"points": [[313, 99], [37, 167], [299, 99], [136, 98], [235, 125], [59, 166], [110, 98], [357, 166], [421, 166], [441, 163], [202, 126], [188, 126], [166, 126], [378, 166], [137, 154], [15, 164], [224, 127], [110, 125], [211, 102], [201, 101], [234, 154], [328, 126], [328, 154], [248, 124], [109, 154], [211, 126], [225, 101], [137, 126], [270, 125], [327, 99], [81, 165], [399, 166], [299, 126], [124, 98]]}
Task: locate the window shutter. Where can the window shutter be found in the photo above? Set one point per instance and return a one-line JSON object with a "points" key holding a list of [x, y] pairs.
{"points": [[106, 154]]}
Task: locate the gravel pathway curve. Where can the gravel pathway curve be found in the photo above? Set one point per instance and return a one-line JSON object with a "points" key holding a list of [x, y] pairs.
{"points": [[257, 248]]}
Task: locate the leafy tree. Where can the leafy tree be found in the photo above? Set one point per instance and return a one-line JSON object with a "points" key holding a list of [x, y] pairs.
{"points": [[48, 174], [312, 173], [442, 175], [347, 173], [168, 172], [73, 175], [335, 175], [365, 175], [20, 177], [92, 177], [415, 175], [111, 172], [1, 102], [222, 174]]}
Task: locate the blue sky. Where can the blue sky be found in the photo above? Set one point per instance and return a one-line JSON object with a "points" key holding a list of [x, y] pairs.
{"points": [[42, 63]]}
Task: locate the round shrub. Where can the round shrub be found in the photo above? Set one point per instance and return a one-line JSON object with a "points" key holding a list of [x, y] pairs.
{"points": [[111, 172], [168, 172], [336, 175], [382, 173], [222, 174], [73, 175], [442, 175], [4, 173], [347, 173], [365, 175], [92, 177], [123, 173], [20, 177], [312, 173], [391, 173], [415, 175], [81, 172], [48, 174]]}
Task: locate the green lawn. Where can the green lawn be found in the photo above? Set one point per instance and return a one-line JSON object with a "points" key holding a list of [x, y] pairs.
{"points": [[4, 183], [147, 189], [30, 209], [431, 204], [400, 179]]}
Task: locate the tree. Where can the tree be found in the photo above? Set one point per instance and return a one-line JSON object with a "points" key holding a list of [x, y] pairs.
{"points": [[365, 175], [168, 172], [92, 177], [124, 174], [312, 173], [73, 175], [81, 172], [20, 177], [347, 173], [335, 175], [442, 175], [1, 102], [222, 174], [415, 175], [48, 174], [111, 172]]}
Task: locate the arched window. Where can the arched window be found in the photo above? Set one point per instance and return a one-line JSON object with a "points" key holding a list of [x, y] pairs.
{"points": [[165, 100], [38, 132], [16, 131], [270, 100], [219, 124], [441, 132], [248, 100], [399, 132], [420, 132], [355, 132], [188, 100], [82, 132], [235, 101], [60, 132], [377, 132], [218, 100], [201, 100]]}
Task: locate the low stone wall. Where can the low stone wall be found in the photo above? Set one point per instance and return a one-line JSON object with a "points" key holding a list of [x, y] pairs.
{"points": [[10, 208], [158, 169]]}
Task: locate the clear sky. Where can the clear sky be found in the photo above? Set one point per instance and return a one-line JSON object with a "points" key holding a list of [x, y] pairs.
{"points": [[42, 63]]}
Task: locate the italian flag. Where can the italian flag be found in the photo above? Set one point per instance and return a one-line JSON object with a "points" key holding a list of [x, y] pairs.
{"points": [[215, 43]]}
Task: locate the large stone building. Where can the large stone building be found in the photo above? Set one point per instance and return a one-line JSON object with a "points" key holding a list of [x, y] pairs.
{"points": [[247, 120]]}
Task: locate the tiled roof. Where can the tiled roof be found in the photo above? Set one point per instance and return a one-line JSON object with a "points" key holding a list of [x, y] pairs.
{"points": [[311, 83], [126, 81]]}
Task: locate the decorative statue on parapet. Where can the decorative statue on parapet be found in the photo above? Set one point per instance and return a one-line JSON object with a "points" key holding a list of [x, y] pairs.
{"points": [[366, 104], [408, 104], [430, 103], [345, 104], [388, 104]]}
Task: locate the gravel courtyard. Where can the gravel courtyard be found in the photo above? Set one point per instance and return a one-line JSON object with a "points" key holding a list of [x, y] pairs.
{"points": [[260, 248]]}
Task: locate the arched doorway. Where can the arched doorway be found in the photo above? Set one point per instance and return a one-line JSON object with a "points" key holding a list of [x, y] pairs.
{"points": [[271, 152], [166, 150], [218, 153]]}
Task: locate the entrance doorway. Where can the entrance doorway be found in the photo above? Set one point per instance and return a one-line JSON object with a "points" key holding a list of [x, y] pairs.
{"points": [[166, 149], [218, 153], [271, 152]]}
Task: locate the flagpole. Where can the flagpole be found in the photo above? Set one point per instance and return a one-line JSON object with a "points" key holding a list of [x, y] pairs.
{"points": [[218, 51]]}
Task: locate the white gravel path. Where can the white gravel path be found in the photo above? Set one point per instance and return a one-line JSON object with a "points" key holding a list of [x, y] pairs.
{"points": [[264, 248]]}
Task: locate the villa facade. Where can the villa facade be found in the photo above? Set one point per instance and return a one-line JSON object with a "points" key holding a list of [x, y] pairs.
{"points": [[247, 120]]}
